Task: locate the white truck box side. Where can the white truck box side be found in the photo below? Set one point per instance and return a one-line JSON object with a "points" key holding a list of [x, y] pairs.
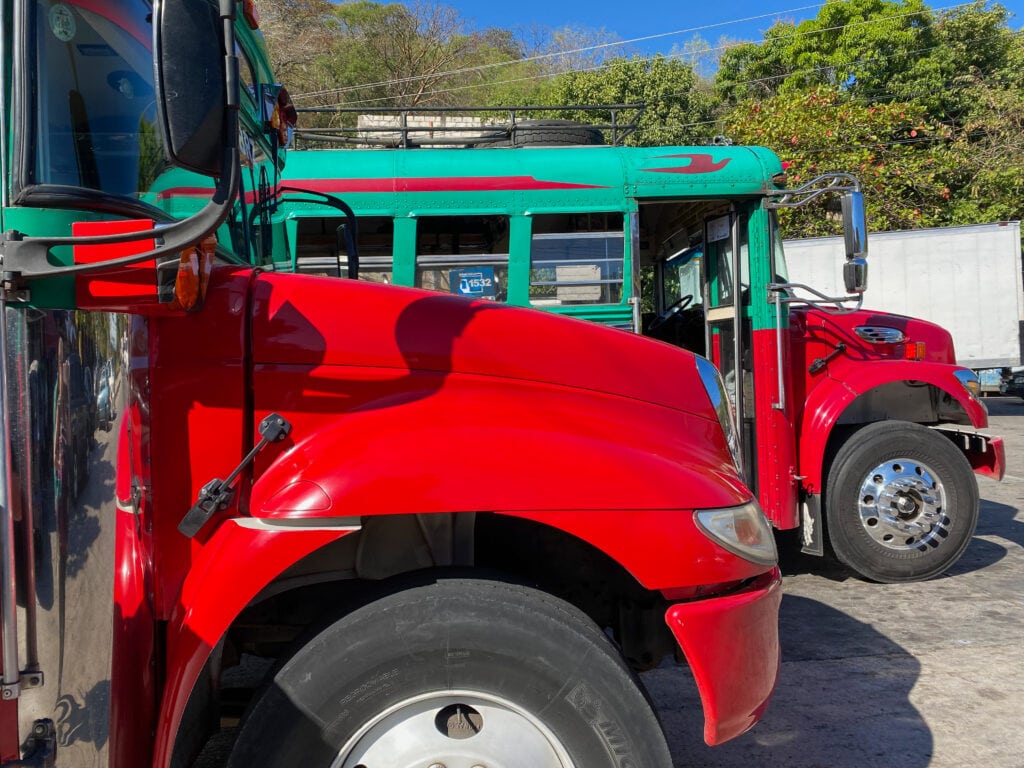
{"points": [[966, 279]]}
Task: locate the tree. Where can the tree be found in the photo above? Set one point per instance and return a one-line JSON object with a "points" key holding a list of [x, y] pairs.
{"points": [[298, 32], [903, 160], [678, 107], [874, 50]]}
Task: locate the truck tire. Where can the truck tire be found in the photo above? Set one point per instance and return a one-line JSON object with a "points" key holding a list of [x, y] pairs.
{"points": [[547, 133], [457, 672], [901, 502]]}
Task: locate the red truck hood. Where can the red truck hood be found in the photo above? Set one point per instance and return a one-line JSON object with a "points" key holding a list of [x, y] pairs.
{"points": [[310, 321], [811, 324]]}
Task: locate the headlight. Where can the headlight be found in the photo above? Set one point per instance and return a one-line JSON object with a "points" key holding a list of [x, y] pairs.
{"points": [[744, 531], [715, 388], [970, 381]]}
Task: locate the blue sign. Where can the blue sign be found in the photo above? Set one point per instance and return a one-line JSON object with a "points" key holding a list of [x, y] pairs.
{"points": [[477, 282]]}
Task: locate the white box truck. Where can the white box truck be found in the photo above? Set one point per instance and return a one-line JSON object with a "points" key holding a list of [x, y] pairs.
{"points": [[966, 279]]}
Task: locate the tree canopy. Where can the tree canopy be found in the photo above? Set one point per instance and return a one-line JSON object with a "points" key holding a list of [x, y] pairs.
{"points": [[925, 105]]}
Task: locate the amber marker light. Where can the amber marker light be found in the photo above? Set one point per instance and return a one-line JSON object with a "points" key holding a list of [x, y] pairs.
{"points": [[193, 276]]}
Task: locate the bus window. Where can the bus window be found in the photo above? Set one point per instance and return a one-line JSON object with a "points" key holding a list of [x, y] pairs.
{"points": [[320, 247], [465, 255], [577, 259]]}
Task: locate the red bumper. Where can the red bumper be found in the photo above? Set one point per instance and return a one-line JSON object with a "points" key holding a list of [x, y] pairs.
{"points": [[732, 646], [991, 460]]}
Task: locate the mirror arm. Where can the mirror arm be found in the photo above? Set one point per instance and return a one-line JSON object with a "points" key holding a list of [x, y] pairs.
{"points": [[24, 259], [794, 198]]}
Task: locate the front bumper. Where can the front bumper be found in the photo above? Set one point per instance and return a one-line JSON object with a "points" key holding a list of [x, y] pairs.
{"points": [[732, 646]]}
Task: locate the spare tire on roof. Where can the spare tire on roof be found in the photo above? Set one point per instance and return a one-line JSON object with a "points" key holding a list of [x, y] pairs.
{"points": [[550, 133]]}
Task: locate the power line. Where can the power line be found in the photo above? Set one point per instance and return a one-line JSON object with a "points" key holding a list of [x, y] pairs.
{"points": [[470, 86], [556, 54]]}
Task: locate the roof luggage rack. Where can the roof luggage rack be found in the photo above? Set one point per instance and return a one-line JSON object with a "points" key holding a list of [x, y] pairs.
{"points": [[420, 127]]}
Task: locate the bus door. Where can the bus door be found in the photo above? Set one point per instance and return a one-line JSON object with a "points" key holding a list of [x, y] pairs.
{"points": [[727, 323]]}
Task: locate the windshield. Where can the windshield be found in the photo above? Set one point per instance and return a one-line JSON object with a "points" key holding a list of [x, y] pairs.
{"points": [[95, 108], [682, 277]]}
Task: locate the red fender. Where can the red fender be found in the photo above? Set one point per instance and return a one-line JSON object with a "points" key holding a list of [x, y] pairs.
{"points": [[830, 398], [240, 559], [450, 452]]}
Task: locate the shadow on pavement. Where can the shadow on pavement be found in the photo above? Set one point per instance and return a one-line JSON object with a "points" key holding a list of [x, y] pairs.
{"points": [[997, 521], [842, 701]]}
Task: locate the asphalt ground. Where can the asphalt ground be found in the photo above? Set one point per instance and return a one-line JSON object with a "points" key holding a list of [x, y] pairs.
{"points": [[926, 675]]}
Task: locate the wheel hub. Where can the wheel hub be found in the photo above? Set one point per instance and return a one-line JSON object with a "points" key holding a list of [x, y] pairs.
{"points": [[902, 505], [454, 729]]}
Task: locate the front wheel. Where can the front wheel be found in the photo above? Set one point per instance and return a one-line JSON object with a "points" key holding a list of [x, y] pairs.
{"points": [[901, 502], [458, 673]]}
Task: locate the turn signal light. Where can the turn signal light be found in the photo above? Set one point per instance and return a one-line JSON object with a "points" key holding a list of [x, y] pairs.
{"points": [[193, 275], [914, 350]]}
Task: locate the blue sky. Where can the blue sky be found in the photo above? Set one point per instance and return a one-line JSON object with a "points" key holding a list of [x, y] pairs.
{"points": [[642, 18]]}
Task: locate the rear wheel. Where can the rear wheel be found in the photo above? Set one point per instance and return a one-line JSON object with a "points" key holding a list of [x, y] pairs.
{"points": [[457, 673], [901, 502]]}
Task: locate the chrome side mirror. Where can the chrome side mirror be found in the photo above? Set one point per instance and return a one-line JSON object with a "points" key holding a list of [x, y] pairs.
{"points": [[855, 275], [855, 232], [855, 224], [192, 94]]}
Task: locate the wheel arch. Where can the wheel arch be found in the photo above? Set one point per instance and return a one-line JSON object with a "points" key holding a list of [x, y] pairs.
{"points": [[334, 571], [923, 394]]}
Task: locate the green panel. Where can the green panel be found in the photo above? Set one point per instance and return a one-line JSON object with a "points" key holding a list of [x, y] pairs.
{"points": [[762, 311], [404, 270], [519, 261]]}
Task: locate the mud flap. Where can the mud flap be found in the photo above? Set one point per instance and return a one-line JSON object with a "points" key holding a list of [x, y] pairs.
{"points": [[811, 525]]}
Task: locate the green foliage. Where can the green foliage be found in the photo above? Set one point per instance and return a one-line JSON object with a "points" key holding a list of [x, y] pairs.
{"points": [[902, 159], [926, 106], [678, 109]]}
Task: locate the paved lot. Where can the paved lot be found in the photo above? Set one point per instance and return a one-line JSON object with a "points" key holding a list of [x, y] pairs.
{"points": [[879, 676]]}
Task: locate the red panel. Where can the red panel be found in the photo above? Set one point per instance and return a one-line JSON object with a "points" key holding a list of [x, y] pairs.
{"points": [[9, 741], [132, 684], [776, 436], [732, 646], [228, 572], [991, 463], [379, 442], [120, 287], [197, 430]]}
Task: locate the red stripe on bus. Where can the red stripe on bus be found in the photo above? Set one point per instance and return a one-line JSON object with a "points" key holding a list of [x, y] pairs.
{"points": [[699, 163], [441, 184]]}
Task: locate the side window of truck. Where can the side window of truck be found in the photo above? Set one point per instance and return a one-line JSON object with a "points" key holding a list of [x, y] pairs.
{"points": [[577, 259]]}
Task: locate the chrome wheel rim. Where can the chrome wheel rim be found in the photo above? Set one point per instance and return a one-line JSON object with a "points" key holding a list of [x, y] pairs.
{"points": [[454, 729], [902, 505]]}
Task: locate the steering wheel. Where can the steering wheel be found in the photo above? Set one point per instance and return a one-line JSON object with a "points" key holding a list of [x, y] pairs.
{"points": [[675, 308]]}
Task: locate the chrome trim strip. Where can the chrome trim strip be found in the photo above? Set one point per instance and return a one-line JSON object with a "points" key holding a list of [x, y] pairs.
{"points": [[8, 590], [880, 334], [289, 525]]}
